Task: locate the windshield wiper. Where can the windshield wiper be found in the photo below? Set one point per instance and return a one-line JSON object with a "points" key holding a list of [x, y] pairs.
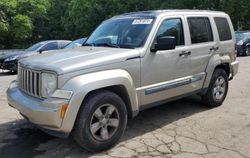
{"points": [[108, 45]]}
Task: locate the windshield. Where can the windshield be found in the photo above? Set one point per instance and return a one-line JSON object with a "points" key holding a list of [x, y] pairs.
{"points": [[242, 36], [34, 47], [76, 43], [121, 33]]}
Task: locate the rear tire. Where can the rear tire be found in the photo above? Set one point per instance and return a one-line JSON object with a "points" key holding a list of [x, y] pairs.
{"points": [[217, 90], [101, 121]]}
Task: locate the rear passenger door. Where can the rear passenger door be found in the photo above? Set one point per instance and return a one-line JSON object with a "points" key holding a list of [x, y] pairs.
{"points": [[201, 43]]}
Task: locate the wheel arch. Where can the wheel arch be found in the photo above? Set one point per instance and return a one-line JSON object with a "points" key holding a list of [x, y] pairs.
{"points": [[121, 91], [225, 67], [217, 61], [248, 44], [118, 81]]}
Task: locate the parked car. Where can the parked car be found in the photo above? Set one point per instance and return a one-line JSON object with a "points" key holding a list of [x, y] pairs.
{"points": [[131, 62], [76, 43], [9, 61], [243, 42]]}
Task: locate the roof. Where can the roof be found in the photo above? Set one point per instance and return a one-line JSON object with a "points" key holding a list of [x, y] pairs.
{"points": [[56, 41], [47, 41], [155, 13], [245, 31]]}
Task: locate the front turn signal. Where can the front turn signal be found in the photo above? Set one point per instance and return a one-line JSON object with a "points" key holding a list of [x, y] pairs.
{"points": [[63, 110]]}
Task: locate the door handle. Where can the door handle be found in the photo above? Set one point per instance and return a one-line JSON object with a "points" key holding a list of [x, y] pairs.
{"points": [[185, 53], [214, 49]]}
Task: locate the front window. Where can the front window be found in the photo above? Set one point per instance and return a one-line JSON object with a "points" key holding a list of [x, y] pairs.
{"points": [[35, 47], [121, 33], [172, 27], [50, 46]]}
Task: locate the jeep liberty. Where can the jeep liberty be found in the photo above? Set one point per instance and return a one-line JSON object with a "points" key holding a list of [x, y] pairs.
{"points": [[129, 63]]}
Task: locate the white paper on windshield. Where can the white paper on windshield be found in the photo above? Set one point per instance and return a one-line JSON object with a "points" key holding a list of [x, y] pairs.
{"points": [[142, 21]]}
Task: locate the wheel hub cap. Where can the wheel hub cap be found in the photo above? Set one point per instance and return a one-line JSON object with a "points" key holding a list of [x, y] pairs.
{"points": [[219, 88], [104, 122]]}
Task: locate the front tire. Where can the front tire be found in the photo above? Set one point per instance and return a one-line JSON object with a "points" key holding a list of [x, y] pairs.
{"points": [[101, 121], [217, 90], [247, 50]]}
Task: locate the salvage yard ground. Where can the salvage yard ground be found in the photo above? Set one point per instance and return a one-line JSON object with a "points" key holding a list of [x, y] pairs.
{"points": [[180, 129]]}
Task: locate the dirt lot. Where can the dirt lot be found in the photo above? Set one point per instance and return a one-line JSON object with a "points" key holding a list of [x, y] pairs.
{"points": [[184, 128]]}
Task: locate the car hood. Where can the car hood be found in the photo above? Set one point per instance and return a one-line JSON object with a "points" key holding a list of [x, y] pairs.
{"points": [[9, 54], [20, 54], [69, 60]]}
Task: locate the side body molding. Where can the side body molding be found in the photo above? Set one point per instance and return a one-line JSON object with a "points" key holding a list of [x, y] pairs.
{"points": [[215, 60], [83, 84]]}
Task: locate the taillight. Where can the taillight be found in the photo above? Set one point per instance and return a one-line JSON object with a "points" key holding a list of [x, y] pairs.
{"points": [[235, 52]]}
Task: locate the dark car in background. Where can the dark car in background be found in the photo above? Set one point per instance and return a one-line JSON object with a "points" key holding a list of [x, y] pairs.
{"points": [[9, 61], [76, 43], [243, 42]]}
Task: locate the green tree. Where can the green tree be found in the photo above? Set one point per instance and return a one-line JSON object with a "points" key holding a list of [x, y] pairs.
{"points": [[56, 13], [21, 27], [28, 21], [7, 11], [82, 16], [36, 10]]}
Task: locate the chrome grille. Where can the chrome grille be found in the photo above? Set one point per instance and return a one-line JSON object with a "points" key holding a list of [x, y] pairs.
{"points": [[29, 81]]}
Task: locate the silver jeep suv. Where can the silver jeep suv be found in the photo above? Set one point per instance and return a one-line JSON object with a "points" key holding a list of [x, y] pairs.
{"points": [[131, 62]]}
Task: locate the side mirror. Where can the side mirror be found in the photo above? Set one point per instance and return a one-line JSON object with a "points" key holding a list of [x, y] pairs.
{"points": [[164, 43], [40, 51]]}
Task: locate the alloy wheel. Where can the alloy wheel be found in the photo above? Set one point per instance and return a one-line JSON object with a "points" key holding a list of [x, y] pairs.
{"points": [[104, 122], [219, 88]]}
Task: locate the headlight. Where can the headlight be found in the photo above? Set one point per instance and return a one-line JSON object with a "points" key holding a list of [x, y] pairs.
{"points": [[240, 43], [11, 58], [49, 84]]}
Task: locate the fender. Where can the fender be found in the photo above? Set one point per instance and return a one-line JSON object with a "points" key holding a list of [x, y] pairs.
{"points": [[215, 60], [83, 84]]}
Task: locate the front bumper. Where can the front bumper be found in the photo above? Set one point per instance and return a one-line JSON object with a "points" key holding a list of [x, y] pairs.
{"points": [[234, 69], [12, 65], [44, 113], [241, 50]]}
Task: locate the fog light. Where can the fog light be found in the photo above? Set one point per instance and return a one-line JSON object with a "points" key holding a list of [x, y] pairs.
{"points": [[63, 110], [13, 84]]}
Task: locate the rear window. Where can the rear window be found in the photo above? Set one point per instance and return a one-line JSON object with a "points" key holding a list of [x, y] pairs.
{"points": [[223, 29], [200, 29]]}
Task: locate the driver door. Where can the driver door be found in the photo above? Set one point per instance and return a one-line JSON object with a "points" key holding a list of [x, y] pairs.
{"points": [[166, 74]]}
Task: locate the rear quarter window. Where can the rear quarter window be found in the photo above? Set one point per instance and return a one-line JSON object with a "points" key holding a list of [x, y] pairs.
{"points": [[223, 28]]}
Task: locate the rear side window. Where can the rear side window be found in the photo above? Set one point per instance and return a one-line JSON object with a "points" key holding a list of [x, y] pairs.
{"points": [[200, 29], [223, 29]]}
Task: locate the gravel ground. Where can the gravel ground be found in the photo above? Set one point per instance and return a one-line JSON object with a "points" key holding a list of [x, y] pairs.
{"points": [[180, 129]]}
